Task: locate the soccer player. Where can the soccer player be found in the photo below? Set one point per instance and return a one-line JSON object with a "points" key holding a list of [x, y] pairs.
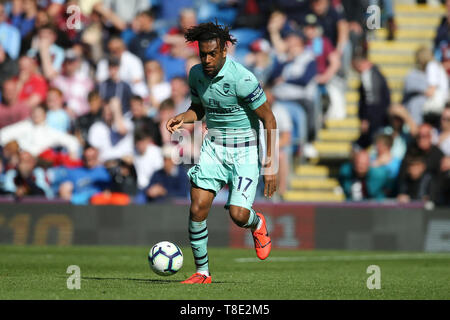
{"points": [[233, 102]]}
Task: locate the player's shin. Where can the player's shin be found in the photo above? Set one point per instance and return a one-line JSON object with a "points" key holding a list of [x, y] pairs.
{"points": [[198, 236]]}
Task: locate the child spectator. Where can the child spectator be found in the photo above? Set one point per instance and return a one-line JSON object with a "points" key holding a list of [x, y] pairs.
{"points": [[57, 118]]}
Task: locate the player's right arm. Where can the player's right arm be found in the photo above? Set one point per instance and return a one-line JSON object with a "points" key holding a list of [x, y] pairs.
{"points": [[194, 113]]}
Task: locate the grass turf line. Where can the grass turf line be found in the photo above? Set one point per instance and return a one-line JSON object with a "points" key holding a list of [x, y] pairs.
{"points": [[110, 272]]}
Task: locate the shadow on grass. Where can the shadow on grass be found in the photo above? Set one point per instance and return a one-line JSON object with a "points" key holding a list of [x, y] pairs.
{"points": [[144, 280]]}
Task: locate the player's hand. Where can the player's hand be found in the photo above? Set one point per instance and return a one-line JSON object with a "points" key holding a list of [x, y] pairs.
{"points": [[270, 185], [174, 123]]}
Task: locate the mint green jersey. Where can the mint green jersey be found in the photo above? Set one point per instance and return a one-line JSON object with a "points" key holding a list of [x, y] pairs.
{"points": [[229, 99]]}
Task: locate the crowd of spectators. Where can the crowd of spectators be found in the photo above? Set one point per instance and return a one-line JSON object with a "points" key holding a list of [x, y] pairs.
{"points": [[402, 152], [87, 87]]}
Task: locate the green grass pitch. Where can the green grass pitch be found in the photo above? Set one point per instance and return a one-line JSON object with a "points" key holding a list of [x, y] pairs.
{"points": [[123, 273]]}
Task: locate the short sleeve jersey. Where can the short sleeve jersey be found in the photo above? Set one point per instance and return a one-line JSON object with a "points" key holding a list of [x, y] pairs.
{"points": [[229, 98]]}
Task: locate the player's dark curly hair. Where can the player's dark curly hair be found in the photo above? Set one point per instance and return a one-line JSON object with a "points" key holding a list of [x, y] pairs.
{"points": [[209, 31]]}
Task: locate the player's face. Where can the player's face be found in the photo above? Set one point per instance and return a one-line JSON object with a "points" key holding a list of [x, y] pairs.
{"points": [[212, 57]]}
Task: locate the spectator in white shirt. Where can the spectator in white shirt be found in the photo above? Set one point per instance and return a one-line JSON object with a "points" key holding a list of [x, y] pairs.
{"points": [[426, 88], [113, 135], [35, 136], [437, 91], [159, 88], [147, 158], [131, 69]]}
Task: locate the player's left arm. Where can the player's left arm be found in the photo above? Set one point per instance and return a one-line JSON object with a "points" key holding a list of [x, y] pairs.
{"points": [[252, 95], [264, 113]]}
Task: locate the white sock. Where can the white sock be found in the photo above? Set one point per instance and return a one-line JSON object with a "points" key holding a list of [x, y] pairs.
{"points": [[203, 272], [259, 225]]}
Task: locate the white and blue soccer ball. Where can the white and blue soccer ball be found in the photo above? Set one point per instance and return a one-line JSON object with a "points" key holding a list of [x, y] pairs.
{"points": [[165, 258]]}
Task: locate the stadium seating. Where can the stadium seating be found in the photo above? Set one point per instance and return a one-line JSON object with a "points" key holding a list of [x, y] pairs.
{"points": [[416, 25]]}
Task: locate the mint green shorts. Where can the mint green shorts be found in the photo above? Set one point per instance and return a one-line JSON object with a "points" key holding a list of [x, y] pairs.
{"points": [[236, 166]]}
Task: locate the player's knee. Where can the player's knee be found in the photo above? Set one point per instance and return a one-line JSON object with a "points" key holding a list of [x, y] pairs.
{"points": [[199, 211], [239, 215]]}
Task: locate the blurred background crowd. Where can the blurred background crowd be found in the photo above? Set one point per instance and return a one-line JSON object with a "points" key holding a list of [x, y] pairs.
{"points": [[87, 87]]}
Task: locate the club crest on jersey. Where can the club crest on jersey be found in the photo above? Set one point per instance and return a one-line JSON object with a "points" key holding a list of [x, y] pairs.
{"points": [[226, 87]]}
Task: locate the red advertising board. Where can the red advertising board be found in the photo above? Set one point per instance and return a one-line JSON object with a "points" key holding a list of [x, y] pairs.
{"points": [[290, 226]]}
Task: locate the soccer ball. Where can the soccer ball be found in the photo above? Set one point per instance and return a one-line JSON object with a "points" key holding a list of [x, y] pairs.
{"points": [[165, 258]]}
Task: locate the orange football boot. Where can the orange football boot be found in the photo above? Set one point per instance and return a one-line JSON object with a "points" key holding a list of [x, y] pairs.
{"points": [[198, 278], [263, 244]]}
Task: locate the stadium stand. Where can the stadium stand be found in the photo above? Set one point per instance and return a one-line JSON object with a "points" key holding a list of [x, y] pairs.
{"points": [[122, 71], [417, 24]]}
